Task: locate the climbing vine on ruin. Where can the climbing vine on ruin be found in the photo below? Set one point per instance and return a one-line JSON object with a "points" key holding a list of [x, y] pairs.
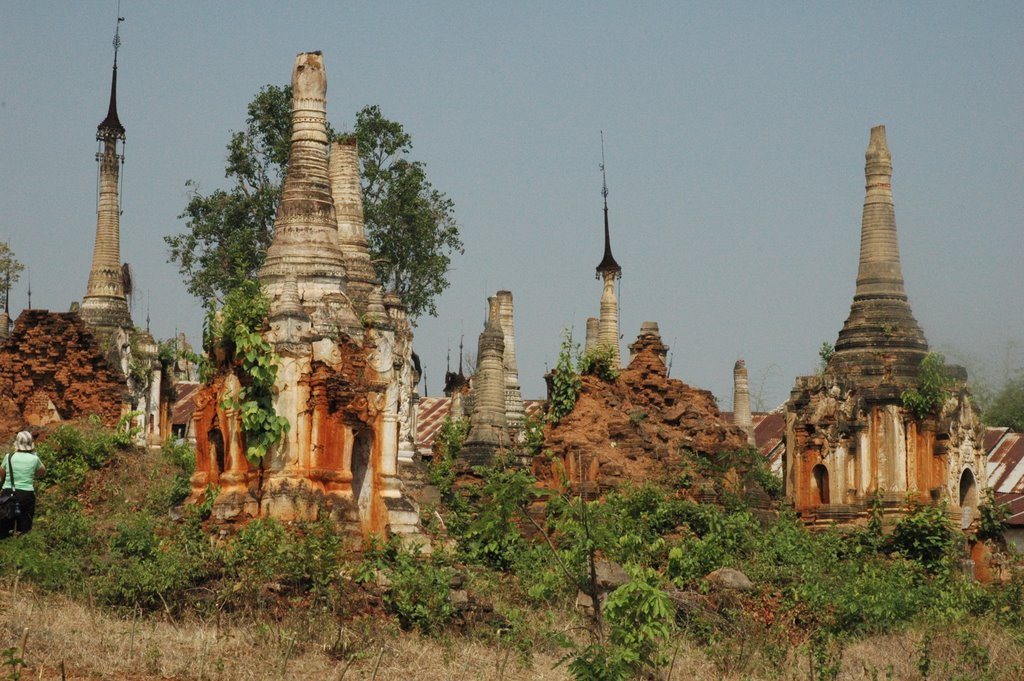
{"points": [[234, 330], [565, 381], [933, 386]]}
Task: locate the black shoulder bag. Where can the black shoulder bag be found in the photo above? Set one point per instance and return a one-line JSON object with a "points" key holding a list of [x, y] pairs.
{"points": [[8, 506]]}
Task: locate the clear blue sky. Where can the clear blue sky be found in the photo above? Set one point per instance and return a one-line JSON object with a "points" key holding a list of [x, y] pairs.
{"points": [[734, 137]]}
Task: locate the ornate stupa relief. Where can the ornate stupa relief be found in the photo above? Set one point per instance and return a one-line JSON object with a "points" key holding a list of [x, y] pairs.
{"points": [[848, 435], [344, 351], [741, 416]]}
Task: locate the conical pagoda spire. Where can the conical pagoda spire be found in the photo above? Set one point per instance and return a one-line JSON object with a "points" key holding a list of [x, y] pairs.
{"points": [[879, 274], [105, 305], [880, 338], [306, 230]]}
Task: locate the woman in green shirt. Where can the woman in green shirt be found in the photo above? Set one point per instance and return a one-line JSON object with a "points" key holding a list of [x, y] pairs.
{"points": [[20, 469]]}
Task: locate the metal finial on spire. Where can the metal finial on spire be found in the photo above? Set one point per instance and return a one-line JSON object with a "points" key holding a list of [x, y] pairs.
{"points": [[28, 277], [110, 127], [117, 32], [604, 179], [461, 338], [607, 264]]}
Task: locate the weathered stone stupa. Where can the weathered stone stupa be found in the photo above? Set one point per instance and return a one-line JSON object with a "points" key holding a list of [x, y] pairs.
{"points": [[344, 354], [514, 407], [105, 305], [488, 423], [741, 416], [848, 435], [590, 339]]}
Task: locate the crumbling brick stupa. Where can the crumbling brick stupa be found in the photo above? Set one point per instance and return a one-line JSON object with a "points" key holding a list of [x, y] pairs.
{"points": [[52, 370], [345, 370], [848, 435], [636, 428]]}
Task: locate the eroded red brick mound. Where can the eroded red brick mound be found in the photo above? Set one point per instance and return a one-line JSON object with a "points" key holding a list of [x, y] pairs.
{"points": [[634, 428], [52, 369]]}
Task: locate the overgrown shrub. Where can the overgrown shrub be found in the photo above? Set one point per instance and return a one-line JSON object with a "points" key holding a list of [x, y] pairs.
{"points": [[69, 452], [152, 567], [925, 535], [638, 615], [447, 444], [992, 517], [492, 537], [418, 586]]}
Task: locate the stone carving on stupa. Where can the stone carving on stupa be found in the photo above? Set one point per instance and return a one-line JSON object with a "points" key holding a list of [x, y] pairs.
{"points": [[848, 435], [344, 349]]}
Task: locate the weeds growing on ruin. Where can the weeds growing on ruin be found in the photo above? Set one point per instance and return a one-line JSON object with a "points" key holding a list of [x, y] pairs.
{"points": [[565, 381], [933, 387]]}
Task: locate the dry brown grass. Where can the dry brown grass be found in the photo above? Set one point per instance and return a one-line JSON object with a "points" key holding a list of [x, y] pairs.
{"points": [[96, 645]]}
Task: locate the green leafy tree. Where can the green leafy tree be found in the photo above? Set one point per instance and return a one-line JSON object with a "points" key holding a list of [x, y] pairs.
{"points": [[411, 226], [1007, 408], [10, 272], [228, 231]]}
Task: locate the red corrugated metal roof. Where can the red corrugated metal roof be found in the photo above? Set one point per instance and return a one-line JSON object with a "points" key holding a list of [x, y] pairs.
{"points": [[1006, 463], [992, 437], [430, 414], [1015, 504], [1005, 450], [769, 431], [184, 403], [770, 434]]}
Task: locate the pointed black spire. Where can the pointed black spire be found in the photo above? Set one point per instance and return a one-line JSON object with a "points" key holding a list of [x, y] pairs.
{"points": [[111, 127], [608, 263]]}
